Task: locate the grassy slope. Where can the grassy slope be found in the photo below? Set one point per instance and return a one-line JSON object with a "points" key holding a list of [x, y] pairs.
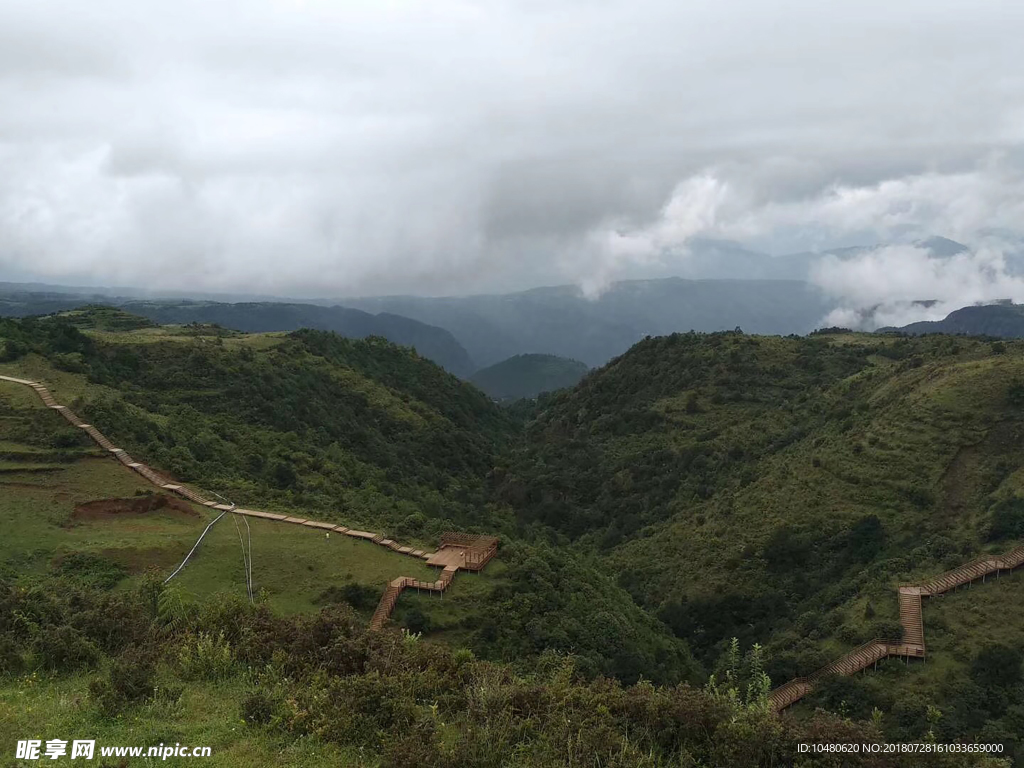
{"points": [[294, 565], [361, 433], [924, 450]]}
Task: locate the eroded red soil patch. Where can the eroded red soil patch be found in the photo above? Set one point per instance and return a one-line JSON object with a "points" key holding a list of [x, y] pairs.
{"points": [[140, 505]]}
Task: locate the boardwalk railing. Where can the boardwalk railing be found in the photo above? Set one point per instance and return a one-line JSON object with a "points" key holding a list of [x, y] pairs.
{"points": [[191, 494], [912, 644], [395, 587], [477, 558]]}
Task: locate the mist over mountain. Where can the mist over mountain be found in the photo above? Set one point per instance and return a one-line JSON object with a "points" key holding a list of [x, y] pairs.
{"points": [[562, 321], [721, 285]]}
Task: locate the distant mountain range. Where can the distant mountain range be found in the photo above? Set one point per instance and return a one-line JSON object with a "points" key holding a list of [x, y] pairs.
{"points": [[463, 334], [562, 321], [466, 333]]}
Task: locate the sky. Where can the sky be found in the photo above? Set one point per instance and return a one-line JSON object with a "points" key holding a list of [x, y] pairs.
{"points": [[346, 148]]}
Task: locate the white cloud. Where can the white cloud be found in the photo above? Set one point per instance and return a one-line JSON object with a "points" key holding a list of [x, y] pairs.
{"points": [[308, 147], [887, 286]]}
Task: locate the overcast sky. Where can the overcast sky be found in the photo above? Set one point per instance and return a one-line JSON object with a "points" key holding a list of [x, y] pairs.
{"points": [[333, 147]]}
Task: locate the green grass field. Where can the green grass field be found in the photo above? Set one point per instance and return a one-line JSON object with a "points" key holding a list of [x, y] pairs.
{"points": [[292, 565], [40, 489]]}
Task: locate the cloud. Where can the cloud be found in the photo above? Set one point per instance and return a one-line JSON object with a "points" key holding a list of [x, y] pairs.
{"points": [[311, 148], [980, 206], [897, 285]]}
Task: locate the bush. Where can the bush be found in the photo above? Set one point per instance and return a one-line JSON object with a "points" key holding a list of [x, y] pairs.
{"points": [[887, 630], [10, 656], [12, 351], [64, 648], [205, 656], [997, 666], [359, 596], [416, 620], [848, 696], [130, 680], [1007, 519], [1015, 393], [260, 707]]}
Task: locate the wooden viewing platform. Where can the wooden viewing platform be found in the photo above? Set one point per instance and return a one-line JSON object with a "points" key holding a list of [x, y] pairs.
{"points": [[458, 551]]}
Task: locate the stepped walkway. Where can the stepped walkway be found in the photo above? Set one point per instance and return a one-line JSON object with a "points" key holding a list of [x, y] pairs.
{"points": [[457, 550], [911, 645]]}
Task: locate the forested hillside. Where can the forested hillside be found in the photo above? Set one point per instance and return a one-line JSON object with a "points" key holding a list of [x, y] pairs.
{"points": [[430, 341], [699, 488], [776, 490], [364, 431]]}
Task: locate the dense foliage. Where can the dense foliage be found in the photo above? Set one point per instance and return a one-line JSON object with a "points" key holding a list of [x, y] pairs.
{"points": [[365, 432], [697, 489], [317, 421], [386, 698], [775, 489]]}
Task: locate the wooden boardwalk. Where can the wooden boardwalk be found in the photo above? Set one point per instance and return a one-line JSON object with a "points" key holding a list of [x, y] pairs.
{"points": [[456, 551], [911, 645]]}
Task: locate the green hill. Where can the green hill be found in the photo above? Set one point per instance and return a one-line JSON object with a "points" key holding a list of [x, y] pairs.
{"points": [[528, 376], [431, 342], [777, 489], [696, 489], [362, 432]]}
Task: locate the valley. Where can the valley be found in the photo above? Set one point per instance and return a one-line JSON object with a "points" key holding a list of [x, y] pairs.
{"points": [[803, 479]]}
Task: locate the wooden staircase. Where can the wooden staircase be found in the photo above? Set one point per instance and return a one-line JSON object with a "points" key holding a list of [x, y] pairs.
{"points": [[394, 588], [910, 617], [387, 603], [912, 644]]}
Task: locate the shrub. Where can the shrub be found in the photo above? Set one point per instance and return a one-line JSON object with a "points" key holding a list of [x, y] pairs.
{"points": [[64, 648], [12, 350], [1007, 519], [260, 707], [887, 630], [997, 666], [10, 656], [848, 696], [1015, 393], [416, 620], [130, 680], [204, 656], [359, 596]]}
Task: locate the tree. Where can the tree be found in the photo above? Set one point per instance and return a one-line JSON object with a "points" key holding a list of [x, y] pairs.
{"points": [[997, 666]]}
